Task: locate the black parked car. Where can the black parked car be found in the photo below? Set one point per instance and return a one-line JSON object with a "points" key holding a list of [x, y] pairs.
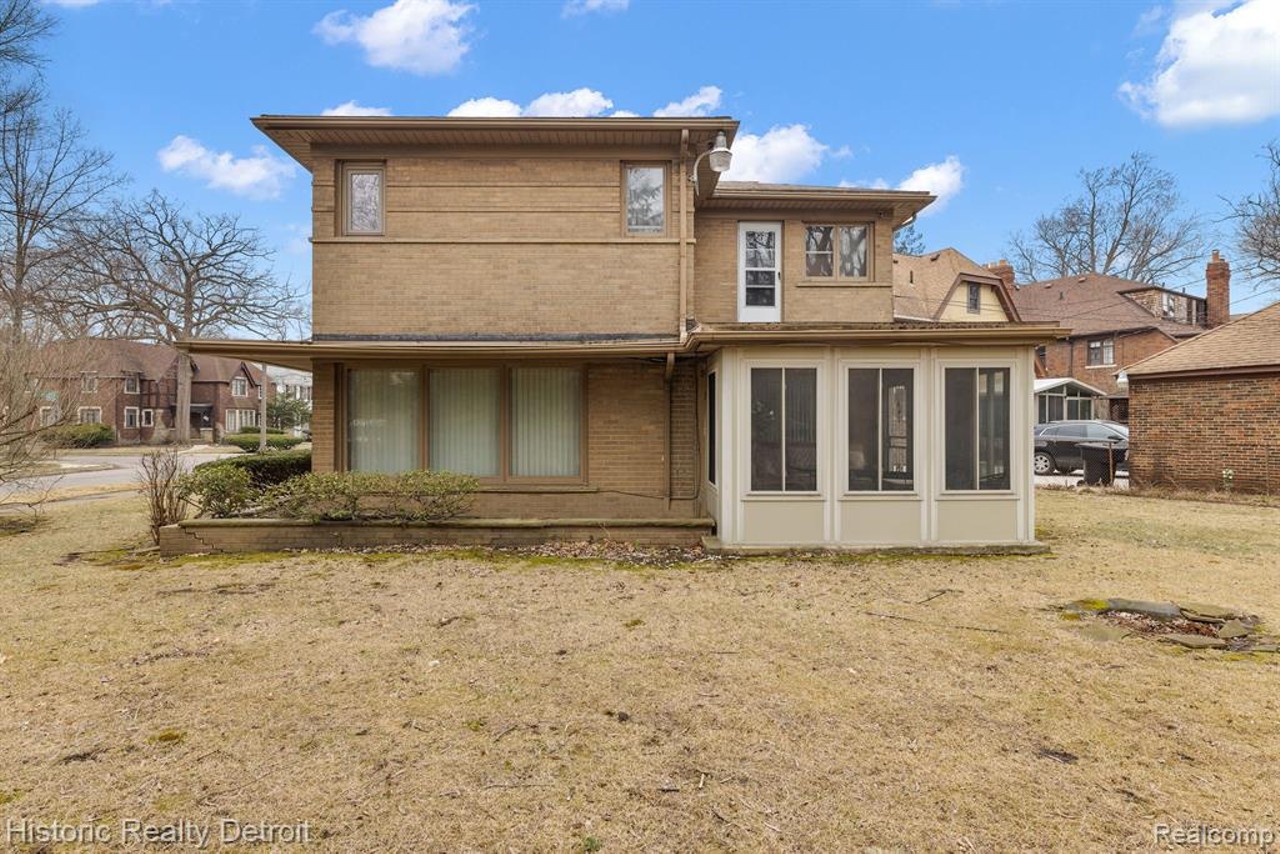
{"points": [[1057, 443]]}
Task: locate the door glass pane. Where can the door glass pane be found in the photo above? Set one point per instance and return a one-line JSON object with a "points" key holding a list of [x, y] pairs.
{"points": [[761, 249], [766, 429], [463, 420], [384, 408], [961, 426], [993, 428], [546, 422], [864, 443], [364, 202], [897, 401], [853, 251], [801, 444], [646, 199]]}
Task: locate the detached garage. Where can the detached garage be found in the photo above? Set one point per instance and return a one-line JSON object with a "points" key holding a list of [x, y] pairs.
{"points": [[1206, 413]]}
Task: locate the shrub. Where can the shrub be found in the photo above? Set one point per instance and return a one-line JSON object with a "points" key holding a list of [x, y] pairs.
{"points": [[266, 470], [250, 443], [80, 435], [161, 476], [218, 490], [417, 496], [271, 431]]}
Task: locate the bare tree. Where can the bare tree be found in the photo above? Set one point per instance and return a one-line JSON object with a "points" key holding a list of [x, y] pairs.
{"points": [[1126, 222], [908, 241], [23, 23], [176, 277], [50, 183], [1257, 219]]}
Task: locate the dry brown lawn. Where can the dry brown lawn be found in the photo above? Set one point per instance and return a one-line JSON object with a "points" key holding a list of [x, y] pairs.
{"points": [[463, 702]]}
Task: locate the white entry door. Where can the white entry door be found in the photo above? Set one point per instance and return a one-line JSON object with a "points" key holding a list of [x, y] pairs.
{"points": [[760, 272]]}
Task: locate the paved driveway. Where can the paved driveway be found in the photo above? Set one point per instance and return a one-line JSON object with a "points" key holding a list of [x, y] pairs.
{"points": [[1073, 479], [124, 468]]}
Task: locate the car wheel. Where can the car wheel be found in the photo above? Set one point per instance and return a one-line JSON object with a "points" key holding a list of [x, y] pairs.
{"points": [[1042, 463]]}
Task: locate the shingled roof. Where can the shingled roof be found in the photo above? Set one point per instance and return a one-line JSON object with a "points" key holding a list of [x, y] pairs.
{"points": [[1093, 305], [1250, 343], [923, 283]]}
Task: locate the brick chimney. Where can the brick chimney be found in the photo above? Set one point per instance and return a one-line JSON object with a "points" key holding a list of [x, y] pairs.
{"points": [[1004, 270], [1217, 289]]}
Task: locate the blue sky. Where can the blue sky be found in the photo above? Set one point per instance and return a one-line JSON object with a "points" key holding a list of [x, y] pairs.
{"points": [[995, 106]]}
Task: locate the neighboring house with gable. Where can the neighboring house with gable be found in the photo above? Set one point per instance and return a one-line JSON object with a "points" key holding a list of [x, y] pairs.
{"points": [[947, 286], [225, 395], [1203, 414], [580, 313], [1112, 323]]}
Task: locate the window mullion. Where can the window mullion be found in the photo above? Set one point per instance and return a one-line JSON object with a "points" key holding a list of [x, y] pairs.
{"points": [[782, 431]]}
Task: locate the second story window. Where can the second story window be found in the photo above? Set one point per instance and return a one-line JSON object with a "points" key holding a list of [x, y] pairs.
{"points": [[239, 387], [1102, 351], [975, 298], [131, 384], [836, 251], [646, 198], [362, 198], [88, 383]]}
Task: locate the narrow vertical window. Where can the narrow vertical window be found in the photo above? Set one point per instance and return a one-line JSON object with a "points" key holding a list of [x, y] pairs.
{"points": [[880, 429], [853, 251], [362, 190], [977, 413], [546, 422], [975, 298], [383, 407], [464, 425], [713, 427], [784, 419], [646, 194]]}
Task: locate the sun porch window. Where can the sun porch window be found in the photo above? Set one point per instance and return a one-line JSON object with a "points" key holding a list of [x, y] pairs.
{"points": [[977, 428]]}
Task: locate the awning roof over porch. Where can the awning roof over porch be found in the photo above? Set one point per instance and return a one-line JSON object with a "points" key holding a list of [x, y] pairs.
{"points": [[707, 338], [1067, 384]]}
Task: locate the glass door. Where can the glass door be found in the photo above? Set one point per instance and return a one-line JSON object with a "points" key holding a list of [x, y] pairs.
{"points": [[760, 272]]}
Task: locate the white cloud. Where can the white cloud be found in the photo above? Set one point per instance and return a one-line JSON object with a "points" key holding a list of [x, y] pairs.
{"points": [[700, 103], [351, 108], [261, 176], [943, 179], [420, 36], [579, 102], [72, 4], [781, 154], [1214, 67], [585, 7], [624, 114]]}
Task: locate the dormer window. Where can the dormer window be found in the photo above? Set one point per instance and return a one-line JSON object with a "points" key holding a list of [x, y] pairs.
{"points": [[646, 198], [362, 198], [131, 384], [239, 387], [836, 251], [975, 298]]}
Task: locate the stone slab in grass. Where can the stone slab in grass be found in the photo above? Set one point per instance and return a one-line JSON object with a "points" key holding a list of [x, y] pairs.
{"points": [[1104, 632], [1233, 629], [1195, 641], [1202, 613], [1155, 610]]}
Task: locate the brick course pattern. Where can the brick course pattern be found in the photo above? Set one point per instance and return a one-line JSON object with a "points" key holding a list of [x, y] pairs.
{"points": [[1185, 431], [1070, 358]]}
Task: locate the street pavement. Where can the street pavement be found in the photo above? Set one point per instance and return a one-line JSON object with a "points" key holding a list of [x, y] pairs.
{"points": [[125, 468]]}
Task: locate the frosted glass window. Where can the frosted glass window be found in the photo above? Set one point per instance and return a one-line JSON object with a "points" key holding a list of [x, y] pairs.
{"points": [[646, 199], [384, 412], [546, 422], [464, 429], [364, 201]]}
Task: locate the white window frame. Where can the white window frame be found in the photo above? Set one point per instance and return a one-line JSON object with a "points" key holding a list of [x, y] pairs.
{"points": [[759, 313], [148, 418], [1017, 443], [919, 417], [1104, 344], [89, 383], [239, 383], [81, 410], [132, 384], [136, 416], [48, 416], [821, 439]]}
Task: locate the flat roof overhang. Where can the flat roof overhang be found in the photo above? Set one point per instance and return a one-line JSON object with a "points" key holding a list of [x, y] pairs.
{"points": [[301, 354]]}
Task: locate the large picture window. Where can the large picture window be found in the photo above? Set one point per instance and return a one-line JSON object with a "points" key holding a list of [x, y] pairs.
{"points": [[881, 403], [546, 422], [465, 421], [784, 435], [977, 428], [836, 251], [384, 407]]}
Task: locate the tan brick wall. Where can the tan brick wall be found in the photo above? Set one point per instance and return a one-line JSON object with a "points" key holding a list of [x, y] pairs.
{"points": [[803, 301], [1184, 432], [497, 245], [323, 452]]}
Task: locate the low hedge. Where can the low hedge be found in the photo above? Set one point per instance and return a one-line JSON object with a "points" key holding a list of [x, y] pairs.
{"points": [[415, 496], [80, 436], [271, 431], [266, 470], [217, 490], [248, 442]]}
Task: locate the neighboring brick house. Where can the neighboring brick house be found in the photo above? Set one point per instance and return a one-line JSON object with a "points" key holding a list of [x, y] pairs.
{"points": [[1208, 406], [1114, 323], [582, 315], [131, 386]]}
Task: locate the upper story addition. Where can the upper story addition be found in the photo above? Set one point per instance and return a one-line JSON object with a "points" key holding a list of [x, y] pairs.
{"points": [[573, 230]]}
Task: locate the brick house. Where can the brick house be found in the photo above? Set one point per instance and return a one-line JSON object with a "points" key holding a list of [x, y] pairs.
{"points": [[1113, 323], [131, 386], [580, 313], [1210, 405]]}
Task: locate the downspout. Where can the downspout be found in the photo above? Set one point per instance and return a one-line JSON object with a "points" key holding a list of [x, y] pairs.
{"points": [[683, 183], [667, 377]]}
